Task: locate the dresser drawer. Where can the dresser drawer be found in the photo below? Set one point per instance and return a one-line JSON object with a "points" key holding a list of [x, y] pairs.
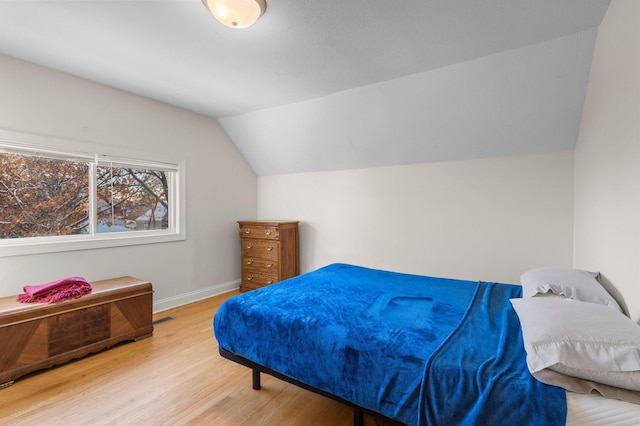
{"points": [[257, 277], [250, 285], [259, 231], [264, 249], [260, 263]]}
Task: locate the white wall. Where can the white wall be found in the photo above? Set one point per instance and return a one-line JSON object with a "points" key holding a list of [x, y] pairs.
{"points": [[488, 219], [607, 157], [220, 186]]}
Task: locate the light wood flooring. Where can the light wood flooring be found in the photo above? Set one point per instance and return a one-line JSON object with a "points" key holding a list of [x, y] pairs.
{"points": [[175, 377]]}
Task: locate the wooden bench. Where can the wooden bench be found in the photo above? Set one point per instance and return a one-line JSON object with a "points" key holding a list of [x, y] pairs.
{"points": [[35, 336]]}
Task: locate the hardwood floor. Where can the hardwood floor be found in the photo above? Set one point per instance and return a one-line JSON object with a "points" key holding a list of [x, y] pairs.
{"points": [[175, 377]]}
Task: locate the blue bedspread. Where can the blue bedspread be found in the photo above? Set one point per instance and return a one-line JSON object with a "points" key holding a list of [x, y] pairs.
{"points": [[417, 349]]}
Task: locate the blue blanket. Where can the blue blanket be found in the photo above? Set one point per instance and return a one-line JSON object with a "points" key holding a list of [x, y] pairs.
{"points": [[417, 349]]}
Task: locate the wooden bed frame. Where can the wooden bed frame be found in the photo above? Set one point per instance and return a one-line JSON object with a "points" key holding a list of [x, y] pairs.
{"points": [[358, 412]]}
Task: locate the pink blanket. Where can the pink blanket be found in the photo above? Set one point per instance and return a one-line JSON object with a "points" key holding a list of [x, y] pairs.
{"points": [[55, 291]]}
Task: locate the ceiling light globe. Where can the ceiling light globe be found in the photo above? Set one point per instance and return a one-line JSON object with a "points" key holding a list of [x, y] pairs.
{"points": [[236, 13]]}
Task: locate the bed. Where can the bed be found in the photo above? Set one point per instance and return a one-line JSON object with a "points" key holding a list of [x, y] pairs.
{"points": [[412, 349]]}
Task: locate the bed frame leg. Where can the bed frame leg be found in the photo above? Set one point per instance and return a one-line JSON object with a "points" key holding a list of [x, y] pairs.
{"points": [[256, 379], [358, 417]]}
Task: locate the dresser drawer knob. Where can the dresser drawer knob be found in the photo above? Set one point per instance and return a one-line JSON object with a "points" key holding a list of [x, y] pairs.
{"points": [[249, 261], [267, 232], [270, 281], [249, 245], [247, 231], [269, 248], [269, 265], [249, 277]]}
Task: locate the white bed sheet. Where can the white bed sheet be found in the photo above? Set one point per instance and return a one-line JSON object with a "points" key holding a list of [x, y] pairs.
{"points": [[594, 410]]}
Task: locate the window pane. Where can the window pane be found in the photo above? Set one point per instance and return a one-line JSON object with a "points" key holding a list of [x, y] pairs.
{"points": [[42, 196], [131, 199]]}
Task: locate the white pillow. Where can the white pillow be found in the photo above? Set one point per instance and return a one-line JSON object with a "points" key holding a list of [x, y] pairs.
{"points": [[620, 379], [568, 283], [580, 339]]}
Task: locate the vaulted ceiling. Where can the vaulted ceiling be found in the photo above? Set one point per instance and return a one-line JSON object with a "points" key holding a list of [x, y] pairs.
{"points": [[333, 84]]}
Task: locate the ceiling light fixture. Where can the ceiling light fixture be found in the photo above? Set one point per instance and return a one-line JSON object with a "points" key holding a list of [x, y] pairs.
{"points": [[236, 13]]}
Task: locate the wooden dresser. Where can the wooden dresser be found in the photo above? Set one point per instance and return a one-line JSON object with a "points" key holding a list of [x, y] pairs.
{"points": [[269, 252], [34, 336]]}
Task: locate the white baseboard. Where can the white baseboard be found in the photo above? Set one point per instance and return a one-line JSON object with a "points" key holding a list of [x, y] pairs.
{"points": [[194, 296]]}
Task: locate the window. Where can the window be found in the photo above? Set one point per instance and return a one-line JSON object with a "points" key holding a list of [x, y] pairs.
{"points": [[55, 201], [131, 199]]}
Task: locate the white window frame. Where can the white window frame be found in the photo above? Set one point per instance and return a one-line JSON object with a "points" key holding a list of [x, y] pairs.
{"points": [[18, 143]]}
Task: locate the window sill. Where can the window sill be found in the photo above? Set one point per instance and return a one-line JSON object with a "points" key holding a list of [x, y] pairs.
{"points": [[20, 247]]}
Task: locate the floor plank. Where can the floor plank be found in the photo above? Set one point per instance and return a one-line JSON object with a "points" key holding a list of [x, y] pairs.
{"points": [[175, 377]]}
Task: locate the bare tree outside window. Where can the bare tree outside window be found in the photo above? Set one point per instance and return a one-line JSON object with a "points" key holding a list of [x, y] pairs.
{"points": [[131, 199], [42, 196]]}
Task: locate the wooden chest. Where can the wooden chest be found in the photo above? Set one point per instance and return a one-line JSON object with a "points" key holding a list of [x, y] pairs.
{"points": [[34, 336], [269, 252]]}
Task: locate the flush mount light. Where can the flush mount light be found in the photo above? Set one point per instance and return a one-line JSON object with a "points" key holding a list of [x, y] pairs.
{"points": [[236, 13]]}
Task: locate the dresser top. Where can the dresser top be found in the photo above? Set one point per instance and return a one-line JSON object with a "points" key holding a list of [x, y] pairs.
{"points": [[268, 222]]}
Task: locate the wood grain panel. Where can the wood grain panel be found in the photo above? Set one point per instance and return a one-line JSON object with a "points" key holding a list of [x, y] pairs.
{"points": [[65, 332], [96, 323], [132, 314], [15, 342], [37, 347]]}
